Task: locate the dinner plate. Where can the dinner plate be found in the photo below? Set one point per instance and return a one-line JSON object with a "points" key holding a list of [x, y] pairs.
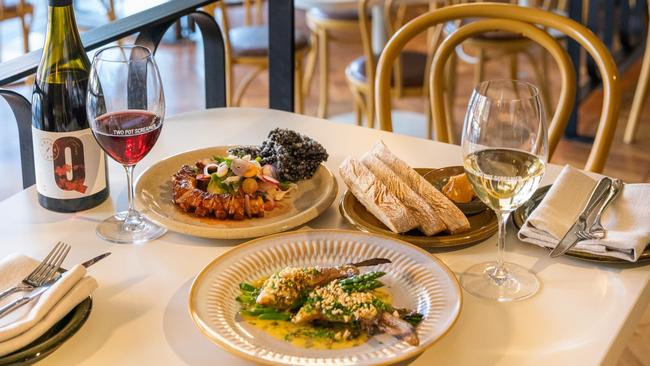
{"points": [[52, 339], [482, 225], [415, 279], [154, 195], [521, 214]]}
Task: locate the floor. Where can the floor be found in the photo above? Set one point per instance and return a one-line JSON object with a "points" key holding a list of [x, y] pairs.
{"points": [[181, 66]]}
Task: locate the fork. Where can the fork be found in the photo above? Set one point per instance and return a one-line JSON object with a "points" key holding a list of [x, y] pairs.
{"points": [[596, 230], [45, 272]]}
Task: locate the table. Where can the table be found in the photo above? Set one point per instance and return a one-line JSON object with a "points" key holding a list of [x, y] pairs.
{"points": [[584, 313]]}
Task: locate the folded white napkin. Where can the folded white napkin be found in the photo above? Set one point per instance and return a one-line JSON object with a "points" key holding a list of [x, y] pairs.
{"points": [[25, 324], [627, 219]]}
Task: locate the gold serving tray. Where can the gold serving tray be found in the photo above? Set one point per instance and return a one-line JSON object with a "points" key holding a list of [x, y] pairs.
{"points": [[522, 213], [483, 224]]}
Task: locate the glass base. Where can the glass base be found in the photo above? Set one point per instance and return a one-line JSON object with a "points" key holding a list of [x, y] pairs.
{"points": [[129, 229], [514, 283]]}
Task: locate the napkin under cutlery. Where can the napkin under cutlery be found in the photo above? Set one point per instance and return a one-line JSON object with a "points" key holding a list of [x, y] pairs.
{"points": [[25, 324], [627, 219]]}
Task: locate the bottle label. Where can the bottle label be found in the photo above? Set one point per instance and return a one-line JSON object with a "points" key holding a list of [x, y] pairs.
{"points": [[68, 165]]}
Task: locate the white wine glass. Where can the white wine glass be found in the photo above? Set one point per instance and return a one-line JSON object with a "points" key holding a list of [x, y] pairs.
{"points": [[126, 107], [505, 150]]}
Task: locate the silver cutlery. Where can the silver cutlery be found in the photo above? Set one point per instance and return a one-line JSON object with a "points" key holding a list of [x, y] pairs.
{"points": [[43, 273], [596, 230], [38, 291], [571, 238]]}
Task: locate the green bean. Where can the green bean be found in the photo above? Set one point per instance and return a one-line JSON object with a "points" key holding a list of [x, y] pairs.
{"points": [[245, 299], [274, 316], [414, 319], [247, 287], [259, 310], [365, 282]]}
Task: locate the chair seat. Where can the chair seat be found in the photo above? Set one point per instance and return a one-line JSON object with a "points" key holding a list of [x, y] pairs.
{"points": [[10, 9], [329, 14], [254, 41], [413, 68]]}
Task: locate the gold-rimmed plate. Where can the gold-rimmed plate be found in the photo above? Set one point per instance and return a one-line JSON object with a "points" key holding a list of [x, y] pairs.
{"points": [[415, 280], [521, 214], [154, 195], [483, 224]]}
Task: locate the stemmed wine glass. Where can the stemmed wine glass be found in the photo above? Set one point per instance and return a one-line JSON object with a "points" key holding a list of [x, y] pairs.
{"points": [[504, 154], [126, 107]]}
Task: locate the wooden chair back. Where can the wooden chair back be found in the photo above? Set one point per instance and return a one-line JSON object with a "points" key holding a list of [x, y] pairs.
{"points": [[515, 19]]}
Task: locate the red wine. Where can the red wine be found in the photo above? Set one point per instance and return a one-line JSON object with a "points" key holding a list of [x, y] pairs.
{"points": [[127, 136], [70, 167]]}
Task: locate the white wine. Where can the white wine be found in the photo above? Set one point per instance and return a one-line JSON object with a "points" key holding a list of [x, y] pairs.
{"points": [[504, 178]]}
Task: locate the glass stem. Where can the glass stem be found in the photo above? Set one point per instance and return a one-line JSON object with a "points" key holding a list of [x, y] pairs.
{"points": [[132, 219], [500, 273]]}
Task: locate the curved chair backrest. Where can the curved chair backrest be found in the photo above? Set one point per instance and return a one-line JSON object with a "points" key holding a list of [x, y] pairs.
{"points": [[519, 20], [22, 110]]}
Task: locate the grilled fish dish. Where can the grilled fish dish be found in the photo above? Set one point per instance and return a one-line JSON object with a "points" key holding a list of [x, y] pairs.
{"points": [[330, 306], [282, 290]]}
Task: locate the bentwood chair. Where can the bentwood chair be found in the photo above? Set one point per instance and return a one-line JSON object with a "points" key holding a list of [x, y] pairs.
{"points": [[511, 18], [505, 45], [640, 94], [249, 45], [409, 74], [325, 25], [10, 9]]}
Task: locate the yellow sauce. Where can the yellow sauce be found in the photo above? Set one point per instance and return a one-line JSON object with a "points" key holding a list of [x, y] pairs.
{"points": [[299, 334]]}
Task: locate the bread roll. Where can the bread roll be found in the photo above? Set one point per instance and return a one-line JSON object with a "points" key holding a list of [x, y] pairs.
{"points": [[453, 218], [376, 197], [429, 222]]}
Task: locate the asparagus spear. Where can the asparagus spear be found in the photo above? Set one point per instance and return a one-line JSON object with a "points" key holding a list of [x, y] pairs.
{"points": [[364, 282]]}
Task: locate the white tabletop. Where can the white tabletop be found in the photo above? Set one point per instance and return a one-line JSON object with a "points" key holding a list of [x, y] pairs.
{"points": [[584, 313]]}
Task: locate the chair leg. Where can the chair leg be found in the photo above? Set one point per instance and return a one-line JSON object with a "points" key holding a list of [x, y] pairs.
{"points": [[513, 66], [450, 97], [229, 81], [310, 65], [323, 58], [479, 71], [370, 110], [357, 112], [639, 97], [539, 76], [244, 85], [429, 118], [298, 86], [25, 28]]}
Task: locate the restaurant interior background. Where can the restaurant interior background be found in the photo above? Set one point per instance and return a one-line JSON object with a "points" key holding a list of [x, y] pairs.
{"points": [[180, 60]]}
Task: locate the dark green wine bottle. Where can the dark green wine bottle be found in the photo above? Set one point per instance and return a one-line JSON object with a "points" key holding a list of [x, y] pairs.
{"points": [[71, 172]]}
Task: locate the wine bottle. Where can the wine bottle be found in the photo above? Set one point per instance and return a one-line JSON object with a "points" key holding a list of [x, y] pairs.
{"points": [[71, 173]]}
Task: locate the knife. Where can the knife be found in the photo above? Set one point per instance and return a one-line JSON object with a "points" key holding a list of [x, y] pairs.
{"points": [[40, 290], [98, 258], [570, 238]]}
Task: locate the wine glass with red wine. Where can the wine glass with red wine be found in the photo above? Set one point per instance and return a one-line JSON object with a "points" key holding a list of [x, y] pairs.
{"points": [[126, 108]]}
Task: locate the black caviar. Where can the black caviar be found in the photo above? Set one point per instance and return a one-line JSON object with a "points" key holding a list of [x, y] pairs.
{"points": [[294, 155]]}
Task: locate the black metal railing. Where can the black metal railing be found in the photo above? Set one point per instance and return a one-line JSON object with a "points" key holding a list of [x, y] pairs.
{"points": [[150, 26]]}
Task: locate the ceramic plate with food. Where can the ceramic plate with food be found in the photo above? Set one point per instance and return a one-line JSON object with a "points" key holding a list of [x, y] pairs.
{"points": [[234, 192], [326, 297], [386, 196]]}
